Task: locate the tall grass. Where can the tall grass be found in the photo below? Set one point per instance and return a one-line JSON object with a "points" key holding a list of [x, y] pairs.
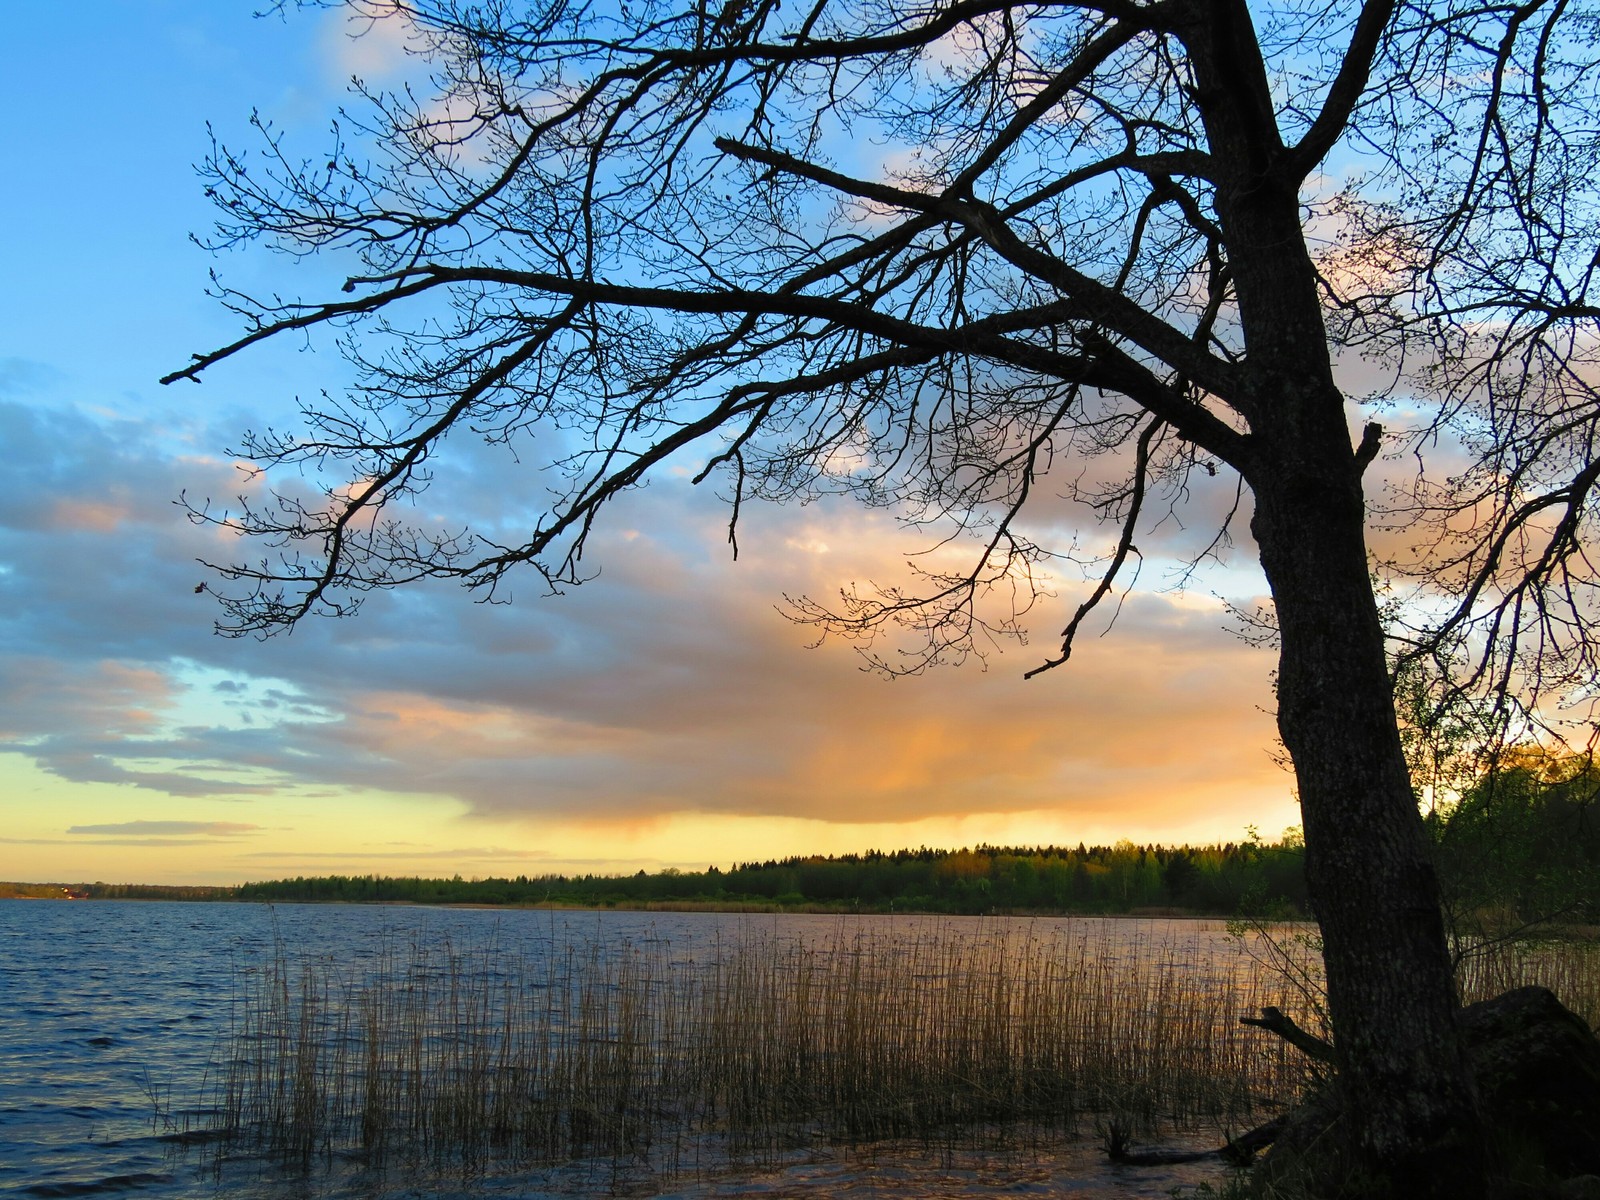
{"points": [[1567, 961], [1568, 966], [764, 1044]]}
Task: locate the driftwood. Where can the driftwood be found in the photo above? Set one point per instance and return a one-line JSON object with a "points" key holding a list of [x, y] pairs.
{"points": [[1246, 1146], [1536, 1065], [1158, 1158], [1239, 1152]]}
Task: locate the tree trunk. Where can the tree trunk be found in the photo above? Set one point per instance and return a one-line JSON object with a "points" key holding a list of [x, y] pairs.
{"points": [[1406, 1089], [1410, 1110]]}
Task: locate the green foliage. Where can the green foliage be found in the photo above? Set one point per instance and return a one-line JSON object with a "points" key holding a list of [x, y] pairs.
{"points": [[1521, 848], [153, 891]]}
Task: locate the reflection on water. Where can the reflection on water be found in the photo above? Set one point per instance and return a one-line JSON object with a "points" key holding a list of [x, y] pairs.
{"points": [[111, 1012]]}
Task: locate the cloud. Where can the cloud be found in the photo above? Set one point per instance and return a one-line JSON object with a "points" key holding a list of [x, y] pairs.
{"points": [[670, 684], [20, 376], [442, 854], [169, 828], [368, 39]]}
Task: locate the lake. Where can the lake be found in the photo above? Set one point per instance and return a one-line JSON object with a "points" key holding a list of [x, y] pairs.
{"points": [[112, 1012]]}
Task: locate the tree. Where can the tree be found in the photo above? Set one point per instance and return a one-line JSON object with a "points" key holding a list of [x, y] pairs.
{"points": [[1099, 234], [1519, 849]]}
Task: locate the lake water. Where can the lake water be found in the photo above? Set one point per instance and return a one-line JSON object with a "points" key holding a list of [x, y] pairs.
{"points": [[113, 1011]]}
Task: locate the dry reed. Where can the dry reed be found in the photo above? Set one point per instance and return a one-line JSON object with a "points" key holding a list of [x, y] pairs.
{"points": [[762, 1046], [624, 1052], [1568, 966]]}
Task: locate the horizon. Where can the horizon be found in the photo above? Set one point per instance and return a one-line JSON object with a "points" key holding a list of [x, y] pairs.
{"points": [[1288, 837]]}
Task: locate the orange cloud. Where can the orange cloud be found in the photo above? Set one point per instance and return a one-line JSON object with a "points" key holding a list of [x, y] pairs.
{"points": [[98, 516], [684, 692]]}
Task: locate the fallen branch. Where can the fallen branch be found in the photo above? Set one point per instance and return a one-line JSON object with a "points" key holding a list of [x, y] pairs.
{"points": [[1239, 1152], [1242, 1149]]}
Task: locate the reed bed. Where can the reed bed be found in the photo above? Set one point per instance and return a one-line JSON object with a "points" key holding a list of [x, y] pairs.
{"points": [[1565, 960], [1568, 966], [758, 1048]]}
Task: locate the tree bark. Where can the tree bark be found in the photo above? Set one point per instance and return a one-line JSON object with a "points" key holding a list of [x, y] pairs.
{"points": [[1405, 1084]]}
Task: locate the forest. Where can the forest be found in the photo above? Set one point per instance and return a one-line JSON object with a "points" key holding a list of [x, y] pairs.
{"points": [[1123, 878]]}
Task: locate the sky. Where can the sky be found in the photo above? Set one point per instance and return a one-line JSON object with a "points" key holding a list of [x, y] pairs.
{"points": [[667, 714]]}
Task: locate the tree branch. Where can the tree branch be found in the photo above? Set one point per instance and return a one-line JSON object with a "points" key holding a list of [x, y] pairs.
{"points": [[315, 315], [1130, 521], [1371, 443], [1348, 86], [1095, 301], [1275, 1021]]}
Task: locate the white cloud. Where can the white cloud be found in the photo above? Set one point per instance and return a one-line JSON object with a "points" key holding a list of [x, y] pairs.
{"points": [[369, 39]]}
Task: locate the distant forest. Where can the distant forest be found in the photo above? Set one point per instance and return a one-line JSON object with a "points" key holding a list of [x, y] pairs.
{"points": [[114, 891], [1245, 876], [1086, 879]]}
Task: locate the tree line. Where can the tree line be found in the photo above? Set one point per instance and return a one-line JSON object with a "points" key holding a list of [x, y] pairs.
{"points": [[116, 891], [1518, 848], [1121, 878]]}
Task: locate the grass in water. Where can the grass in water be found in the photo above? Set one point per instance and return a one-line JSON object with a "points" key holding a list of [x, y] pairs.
{"points": [[1568, 965], [764, 1045]]}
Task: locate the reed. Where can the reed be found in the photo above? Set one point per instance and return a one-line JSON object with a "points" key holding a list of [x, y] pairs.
{"points": [[1569, 966], [635, 1053]]}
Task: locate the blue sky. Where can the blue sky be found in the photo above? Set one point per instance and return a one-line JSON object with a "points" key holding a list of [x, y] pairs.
{"points": [[667, 714]]}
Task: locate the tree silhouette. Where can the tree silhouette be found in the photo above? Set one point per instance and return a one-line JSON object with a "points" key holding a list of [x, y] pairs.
{"points": [[923, 252]]}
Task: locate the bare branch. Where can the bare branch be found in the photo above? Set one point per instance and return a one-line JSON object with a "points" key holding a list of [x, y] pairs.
{"points": [[1125, 546]]}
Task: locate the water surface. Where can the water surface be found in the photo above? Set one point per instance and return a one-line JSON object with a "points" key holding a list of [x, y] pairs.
{"points": [[111, 1013]]}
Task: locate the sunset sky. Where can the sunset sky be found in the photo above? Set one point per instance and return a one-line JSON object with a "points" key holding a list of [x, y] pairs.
{"points": [[667, 714]]}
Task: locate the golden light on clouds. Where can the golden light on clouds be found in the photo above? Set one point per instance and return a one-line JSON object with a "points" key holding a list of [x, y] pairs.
{"points": [[666, 714]]}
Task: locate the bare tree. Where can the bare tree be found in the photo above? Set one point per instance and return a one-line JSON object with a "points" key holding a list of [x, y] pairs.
{"points": [[1096, 230]]}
